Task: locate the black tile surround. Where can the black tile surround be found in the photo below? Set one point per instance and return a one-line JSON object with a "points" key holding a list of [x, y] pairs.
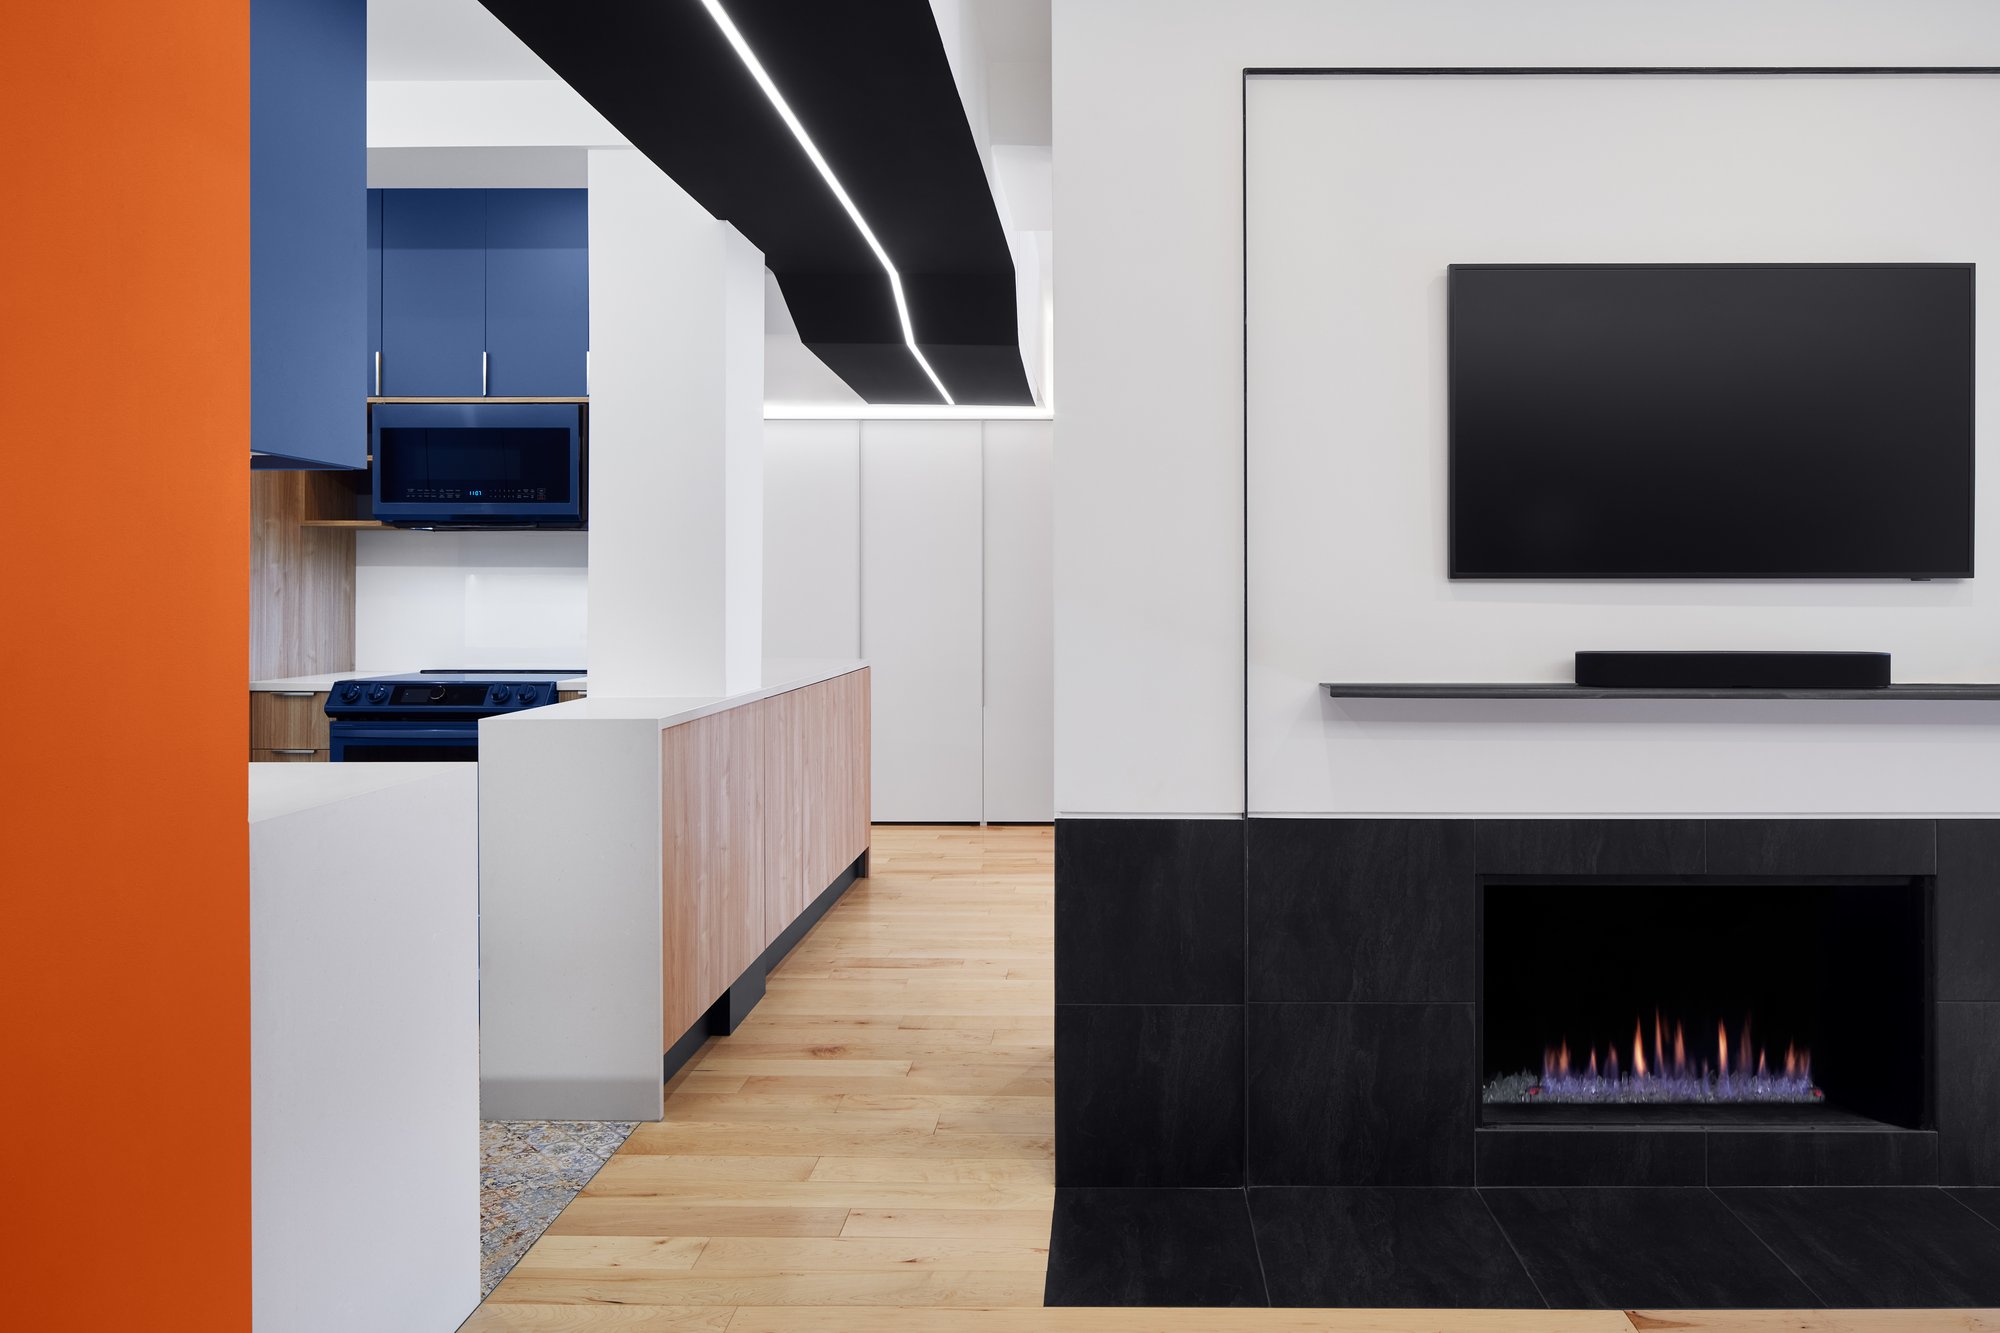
{"points": [[1333, 1089]]}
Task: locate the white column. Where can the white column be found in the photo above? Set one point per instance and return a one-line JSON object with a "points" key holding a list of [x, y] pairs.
{"points": [[676, 440]]}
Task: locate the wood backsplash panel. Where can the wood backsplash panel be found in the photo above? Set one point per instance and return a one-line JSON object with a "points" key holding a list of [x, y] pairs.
{"points": [[301, 579]]}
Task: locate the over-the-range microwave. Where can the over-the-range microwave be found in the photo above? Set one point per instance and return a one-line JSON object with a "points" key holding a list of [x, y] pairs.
{"points": [[479, 465]]}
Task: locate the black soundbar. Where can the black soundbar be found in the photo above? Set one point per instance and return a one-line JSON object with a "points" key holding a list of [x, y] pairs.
{"points": [[1733, 671]]}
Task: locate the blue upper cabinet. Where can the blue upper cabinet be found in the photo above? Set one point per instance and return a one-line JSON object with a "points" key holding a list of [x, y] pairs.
{"points": [[433, 293], [308, 225], [374, 364], [537, 293]]}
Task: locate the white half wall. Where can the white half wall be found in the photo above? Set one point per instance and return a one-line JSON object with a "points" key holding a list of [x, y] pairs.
{"points": [[1149, 464], [676, 440], [1019, 631], [470, 599], [364, 1046]]}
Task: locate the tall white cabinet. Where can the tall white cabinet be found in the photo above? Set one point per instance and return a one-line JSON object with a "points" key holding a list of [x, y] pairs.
{"points": [[924, 547]]}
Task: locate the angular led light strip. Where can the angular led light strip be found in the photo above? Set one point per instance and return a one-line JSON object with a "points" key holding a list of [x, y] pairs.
{"points": [[777, 99]]}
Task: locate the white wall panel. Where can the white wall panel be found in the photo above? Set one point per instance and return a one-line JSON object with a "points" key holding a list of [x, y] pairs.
{"points": [[1020, 622], [921, 556], [1147, 102], [812, 538], [1348, 246]]}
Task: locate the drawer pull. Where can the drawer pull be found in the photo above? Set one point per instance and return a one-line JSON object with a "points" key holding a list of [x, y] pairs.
{"points": [[293, 694], [308, 750]]}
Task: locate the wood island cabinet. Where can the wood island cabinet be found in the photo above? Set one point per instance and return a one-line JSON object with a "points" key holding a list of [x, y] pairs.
{"points": [[288, 726], [764, 806]]}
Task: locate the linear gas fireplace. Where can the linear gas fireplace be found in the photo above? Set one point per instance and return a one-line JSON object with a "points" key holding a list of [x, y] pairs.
{"points": [[1706, 1001]]}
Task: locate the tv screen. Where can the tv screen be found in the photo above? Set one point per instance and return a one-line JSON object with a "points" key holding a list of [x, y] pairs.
{"points": [[1711, 421]]}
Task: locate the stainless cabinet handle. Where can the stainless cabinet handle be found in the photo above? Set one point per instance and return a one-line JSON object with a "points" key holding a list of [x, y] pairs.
{"points": [[293, 694], [378, 373], [305, 751], [482, 374]]}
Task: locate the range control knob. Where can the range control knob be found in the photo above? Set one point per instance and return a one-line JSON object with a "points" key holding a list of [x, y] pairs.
{"points": [[498, 694], [377, 693], [525, 695], [350, 694]]}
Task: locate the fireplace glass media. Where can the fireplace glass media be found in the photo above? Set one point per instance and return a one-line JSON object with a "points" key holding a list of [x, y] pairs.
{"points": [[1708, 1001]]}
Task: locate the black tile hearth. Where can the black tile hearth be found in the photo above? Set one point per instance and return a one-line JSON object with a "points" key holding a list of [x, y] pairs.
{"points": [[1634, 1248], [1968, 909], [1149, 1095], [1822, 846], [1376, 1247], [1360, 1094], [1538, 1156], [1361, 909], [1968, 1094], [1984, 1200], [1882, 1248], [1590, 846], [1822, 1157], [1183, 1247], [1149, 911]]}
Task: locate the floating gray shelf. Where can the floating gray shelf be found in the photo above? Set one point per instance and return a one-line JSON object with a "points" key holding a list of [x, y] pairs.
{"points": [[1557, 690]]}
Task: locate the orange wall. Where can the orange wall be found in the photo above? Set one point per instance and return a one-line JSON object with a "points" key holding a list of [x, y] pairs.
{"points": [[124, 384]]}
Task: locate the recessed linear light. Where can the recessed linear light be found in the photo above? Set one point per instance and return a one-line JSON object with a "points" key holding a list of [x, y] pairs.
{"points": [[777, 100]]}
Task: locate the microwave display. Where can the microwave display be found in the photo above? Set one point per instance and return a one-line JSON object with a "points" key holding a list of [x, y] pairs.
{"points": [[477, 464]]}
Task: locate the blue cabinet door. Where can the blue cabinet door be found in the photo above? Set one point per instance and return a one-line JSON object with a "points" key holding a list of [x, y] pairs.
{"points": [[374, 289], [308, 223], [537, 292], [433, 293]]}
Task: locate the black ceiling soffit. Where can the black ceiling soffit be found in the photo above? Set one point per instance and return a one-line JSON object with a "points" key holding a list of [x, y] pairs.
{"points": [[870, 82]]}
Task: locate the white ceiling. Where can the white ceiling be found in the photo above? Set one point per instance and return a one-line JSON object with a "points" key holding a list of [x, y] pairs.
{"points": [[447, 40]]}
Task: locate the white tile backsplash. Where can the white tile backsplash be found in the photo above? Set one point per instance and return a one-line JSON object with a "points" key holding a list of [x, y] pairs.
{"points": [[470, 599]]}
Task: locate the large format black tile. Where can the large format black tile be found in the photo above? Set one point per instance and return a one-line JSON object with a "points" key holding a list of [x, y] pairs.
{"points": [[1149, 1095], [1968, 1094], [1361, 1094], [1537, 1156], [1822, 846], [1152, 1247], [1968, 909], [1984, 1200], [1636, 1248], [1590, 846], [1822, 1157], [1893, 1248], [1149, 911], [1375, 1247], [1361, 909]]}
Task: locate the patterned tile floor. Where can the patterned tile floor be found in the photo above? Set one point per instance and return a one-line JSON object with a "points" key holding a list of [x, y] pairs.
{"points": [[529, 1170]]}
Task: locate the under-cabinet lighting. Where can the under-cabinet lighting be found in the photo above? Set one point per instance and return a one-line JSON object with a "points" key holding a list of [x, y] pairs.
{"points": [[778, 103]]}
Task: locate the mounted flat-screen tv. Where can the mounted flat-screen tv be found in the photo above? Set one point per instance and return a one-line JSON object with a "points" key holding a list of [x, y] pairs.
{"points": [[1711, 421]]}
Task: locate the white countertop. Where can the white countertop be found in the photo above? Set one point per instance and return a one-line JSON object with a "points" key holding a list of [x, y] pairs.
{"points": [[780, 676], [321, 684], [286, 789]]}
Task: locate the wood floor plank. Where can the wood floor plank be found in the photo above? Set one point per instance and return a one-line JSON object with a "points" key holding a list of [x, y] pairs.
{"points": [[752, 1254]]}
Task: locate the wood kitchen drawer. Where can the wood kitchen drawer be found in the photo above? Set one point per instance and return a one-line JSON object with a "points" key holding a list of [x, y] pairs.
{"points": [[288, 756], [287, 721]]}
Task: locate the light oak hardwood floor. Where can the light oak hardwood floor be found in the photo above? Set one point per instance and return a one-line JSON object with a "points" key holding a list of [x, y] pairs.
{"points": [[873, 1150]]}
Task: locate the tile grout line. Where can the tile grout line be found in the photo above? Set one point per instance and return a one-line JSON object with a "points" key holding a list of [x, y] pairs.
{"points": [[1512, 1248], [1738, 1218]]}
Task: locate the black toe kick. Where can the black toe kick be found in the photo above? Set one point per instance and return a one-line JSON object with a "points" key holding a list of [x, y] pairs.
{"points": [[1418, 1247]]}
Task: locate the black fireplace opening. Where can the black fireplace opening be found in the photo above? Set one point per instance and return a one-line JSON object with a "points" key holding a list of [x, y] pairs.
{"points": [[1703, 1001]]}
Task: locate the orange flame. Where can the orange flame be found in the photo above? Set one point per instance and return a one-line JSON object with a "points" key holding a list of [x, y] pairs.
{"points": [[1721, 1049], [1680, 1050], [1638, 1051]]}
